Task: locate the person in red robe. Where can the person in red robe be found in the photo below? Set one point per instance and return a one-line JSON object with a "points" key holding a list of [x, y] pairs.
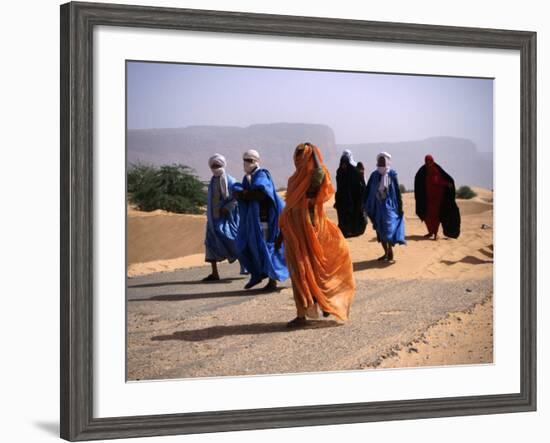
{"points": [[435, 188], [434, 191]]}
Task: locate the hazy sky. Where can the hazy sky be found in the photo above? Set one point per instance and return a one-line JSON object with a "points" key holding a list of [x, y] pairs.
{"points": [[359, 107]]}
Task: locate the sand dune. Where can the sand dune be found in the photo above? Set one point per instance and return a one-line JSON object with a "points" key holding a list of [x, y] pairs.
{"points": [[470, 207], [159, 235], [421, 258], [162, 241], [482, 202]]}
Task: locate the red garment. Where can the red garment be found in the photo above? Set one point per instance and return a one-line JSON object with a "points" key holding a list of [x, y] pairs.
{"points": [[435, 189]]}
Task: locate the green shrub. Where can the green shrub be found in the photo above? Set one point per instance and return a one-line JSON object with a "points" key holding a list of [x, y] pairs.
{"points": [[402, 188], [174, 188], [138, 174], [465, 192]]}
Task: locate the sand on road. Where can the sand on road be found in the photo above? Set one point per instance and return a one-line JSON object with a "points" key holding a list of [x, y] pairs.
{"points": [[167, 324]]}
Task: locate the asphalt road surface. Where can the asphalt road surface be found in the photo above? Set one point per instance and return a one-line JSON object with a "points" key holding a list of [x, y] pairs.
{"points": [[180, 327]]}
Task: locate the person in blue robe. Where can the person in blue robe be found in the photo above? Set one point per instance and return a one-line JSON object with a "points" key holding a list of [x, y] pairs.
{"points": [[259, 208], [222, 218], [384, 206]]}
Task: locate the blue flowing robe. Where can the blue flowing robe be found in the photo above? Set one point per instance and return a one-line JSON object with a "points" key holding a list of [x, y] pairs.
{"points": [[384, 214], [221, 232], [256, 254]]}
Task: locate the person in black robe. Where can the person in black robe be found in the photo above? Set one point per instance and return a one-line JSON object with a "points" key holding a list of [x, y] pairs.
{"points": [[349, 198], [434, 192], [361, 169]]}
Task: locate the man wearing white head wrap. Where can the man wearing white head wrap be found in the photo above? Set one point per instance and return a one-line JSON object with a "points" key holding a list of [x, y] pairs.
{"points": [[384, 206], [251, 162], [252, 154], [217, 164], [383, 170], [222, 218], [259, 207]]}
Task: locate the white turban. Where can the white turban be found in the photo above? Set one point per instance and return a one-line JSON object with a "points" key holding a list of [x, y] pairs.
{"points": [[384, 154], [347, 153], [383, 170], [252, 154], [218, 159], [250, 167]]}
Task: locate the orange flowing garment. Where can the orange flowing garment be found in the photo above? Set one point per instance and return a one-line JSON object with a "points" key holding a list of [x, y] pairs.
{"points": [[317, 254]]}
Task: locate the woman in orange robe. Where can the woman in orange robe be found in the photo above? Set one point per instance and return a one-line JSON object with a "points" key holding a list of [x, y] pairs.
{"points": [[316, 252]]}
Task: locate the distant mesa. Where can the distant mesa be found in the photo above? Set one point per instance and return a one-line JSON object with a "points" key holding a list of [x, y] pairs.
{"points": [[458, 156], [276, 142], [194, 144]]}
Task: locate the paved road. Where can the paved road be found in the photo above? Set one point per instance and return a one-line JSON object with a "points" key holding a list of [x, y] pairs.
{"points": [[179, 327]]}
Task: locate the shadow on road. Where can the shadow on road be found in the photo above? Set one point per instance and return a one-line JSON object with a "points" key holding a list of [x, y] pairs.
{"points": [[189, 282], [370, 264], [215, 332], [199, 295]]}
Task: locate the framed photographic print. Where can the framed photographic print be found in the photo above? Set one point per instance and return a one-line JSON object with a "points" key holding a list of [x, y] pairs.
{"points": [[273, 221]]}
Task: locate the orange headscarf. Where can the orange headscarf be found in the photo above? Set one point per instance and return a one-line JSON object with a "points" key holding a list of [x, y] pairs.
{"points": [[300, 181], [317, 254]]}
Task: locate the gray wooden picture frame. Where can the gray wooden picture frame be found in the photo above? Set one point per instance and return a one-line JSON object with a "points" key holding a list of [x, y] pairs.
{"points": [[77, 23]]}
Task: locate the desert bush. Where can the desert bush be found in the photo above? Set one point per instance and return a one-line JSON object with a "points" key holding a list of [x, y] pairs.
{"points": [[137, 175], [465, 192], [174, 188], [402, 188]]}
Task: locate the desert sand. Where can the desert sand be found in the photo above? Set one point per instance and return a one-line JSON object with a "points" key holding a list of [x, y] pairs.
{"points": [[457, 339], [159, 241], [159, 235], [459, 333]]}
